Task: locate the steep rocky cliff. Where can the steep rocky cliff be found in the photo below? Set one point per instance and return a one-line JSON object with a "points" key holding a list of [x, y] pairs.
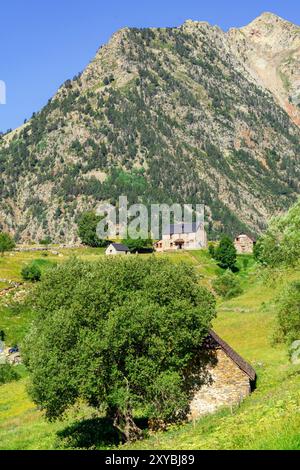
{"points": [[270, 49]]}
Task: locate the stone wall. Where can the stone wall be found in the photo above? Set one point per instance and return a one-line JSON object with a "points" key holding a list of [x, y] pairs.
{"points": [[34, 248], [229, 386], [244, 245]]}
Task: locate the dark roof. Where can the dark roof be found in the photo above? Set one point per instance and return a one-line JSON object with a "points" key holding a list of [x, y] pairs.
{"points": [[181, 228], [120, 247], [234, 356]]}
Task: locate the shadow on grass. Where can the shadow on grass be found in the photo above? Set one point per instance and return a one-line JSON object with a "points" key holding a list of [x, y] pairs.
{"points": [[95, 433]]}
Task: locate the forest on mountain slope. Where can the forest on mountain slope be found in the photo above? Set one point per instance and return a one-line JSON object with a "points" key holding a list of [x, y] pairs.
{"points": [[161, 115]]}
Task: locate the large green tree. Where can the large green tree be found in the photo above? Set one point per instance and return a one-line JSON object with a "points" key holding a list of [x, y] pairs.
{"points": [[139, 245], [120, 334], [226, 254], [87, 230], [7, 243]]}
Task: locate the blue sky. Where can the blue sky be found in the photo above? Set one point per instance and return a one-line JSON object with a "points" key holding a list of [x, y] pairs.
{"points": [[45, 42]]}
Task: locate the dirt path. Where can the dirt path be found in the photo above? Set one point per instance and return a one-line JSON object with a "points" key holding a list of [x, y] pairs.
{"points": [[12, 286]]}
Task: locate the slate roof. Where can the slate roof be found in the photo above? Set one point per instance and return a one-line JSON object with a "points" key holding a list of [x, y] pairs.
{"points": [[234, 356], [120, 247], [181, 228]]}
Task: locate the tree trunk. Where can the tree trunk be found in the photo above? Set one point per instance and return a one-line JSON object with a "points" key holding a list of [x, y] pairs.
{"points": [[126, 426]]}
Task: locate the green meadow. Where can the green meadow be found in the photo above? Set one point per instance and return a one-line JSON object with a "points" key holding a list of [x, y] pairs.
{"points": [[268, 419]]}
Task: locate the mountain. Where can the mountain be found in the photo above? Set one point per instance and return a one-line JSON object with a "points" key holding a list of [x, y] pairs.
{"points": [[270, 48], [188, 114]]}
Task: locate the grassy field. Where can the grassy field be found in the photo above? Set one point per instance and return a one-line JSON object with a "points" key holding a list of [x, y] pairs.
{"points": [[12, 263], [268, 419]]}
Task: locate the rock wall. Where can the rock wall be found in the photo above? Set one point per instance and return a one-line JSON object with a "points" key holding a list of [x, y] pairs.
{"points": [[229, 386], [243, 244]]}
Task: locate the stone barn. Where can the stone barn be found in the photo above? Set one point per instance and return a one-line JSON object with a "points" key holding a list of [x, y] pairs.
{"points": [[244, 244], [231, 379]]}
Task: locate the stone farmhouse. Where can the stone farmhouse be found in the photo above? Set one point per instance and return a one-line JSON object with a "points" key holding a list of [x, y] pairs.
{"points": [[244, 244], [117, 249], [183, 237], [231, 379]]}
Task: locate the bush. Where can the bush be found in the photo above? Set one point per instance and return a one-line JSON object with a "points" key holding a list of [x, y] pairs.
{"points": [[130, 329], [7, 374], [225, 254], [46, 241], [31, 272], [227, 285], [288, 313]]}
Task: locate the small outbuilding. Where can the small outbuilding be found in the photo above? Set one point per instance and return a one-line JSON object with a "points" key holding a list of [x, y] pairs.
{"points": [[117, 249], [244, 244], [231, 379]]}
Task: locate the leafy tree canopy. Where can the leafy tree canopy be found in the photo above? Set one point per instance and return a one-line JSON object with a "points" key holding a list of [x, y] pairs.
{"points": [[281, 243], [225, 254], [120, 334], [7, 243], [138, 245], [288, 313], [87, 230], [8, 374]]}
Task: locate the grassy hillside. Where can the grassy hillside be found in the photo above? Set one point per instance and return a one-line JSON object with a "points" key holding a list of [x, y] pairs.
{"points": [[268, 419]]}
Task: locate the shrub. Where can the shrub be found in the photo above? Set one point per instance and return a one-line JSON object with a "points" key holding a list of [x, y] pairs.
{"points": [[225, 254], [46, 241], [281, 243], [7, 374], [227, 285], [288, 313], [31, 272]]}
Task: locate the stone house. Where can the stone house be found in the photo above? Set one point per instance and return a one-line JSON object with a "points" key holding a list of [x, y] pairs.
{"points": [[183, 237], [231, 379], [117, 249], [244, 244]]}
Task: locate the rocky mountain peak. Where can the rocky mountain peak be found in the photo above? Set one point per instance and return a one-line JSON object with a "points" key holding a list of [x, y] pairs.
{"points": [[270, 49], [273, 32], [268, 17]]}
